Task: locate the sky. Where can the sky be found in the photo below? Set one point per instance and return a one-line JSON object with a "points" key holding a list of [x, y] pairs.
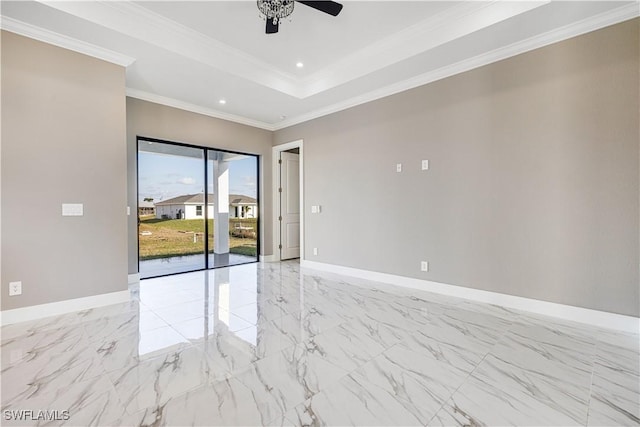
{"points": [[163, 177]]}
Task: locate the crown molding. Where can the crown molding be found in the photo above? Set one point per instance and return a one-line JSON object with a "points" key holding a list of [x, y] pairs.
{"points": [[142, 24], [176, 103], [452, 23], [620, 14], [593, 23], [65, 42]]}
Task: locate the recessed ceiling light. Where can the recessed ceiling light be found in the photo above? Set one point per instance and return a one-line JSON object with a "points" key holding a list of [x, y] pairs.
{"points": [[299, 64], [222, 102], [282, 117]]}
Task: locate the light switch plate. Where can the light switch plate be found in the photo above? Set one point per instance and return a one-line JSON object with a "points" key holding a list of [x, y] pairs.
{"points": [[315, 251], [399, 167], [72, 209], [128, 210], [425, 165], [424, 266], [314, 209]]}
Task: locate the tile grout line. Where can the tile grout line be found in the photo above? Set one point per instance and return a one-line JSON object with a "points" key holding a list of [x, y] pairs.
{"points": [[328, 361], [593, 370], [474, 369], [459, 387]]}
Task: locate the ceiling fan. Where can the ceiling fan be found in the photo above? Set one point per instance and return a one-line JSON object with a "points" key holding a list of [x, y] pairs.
{"points": [[275, 10]]}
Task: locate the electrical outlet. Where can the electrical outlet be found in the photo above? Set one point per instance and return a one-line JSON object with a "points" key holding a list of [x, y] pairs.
{"points": [[424, 266], [15, 288], [399, 167], [425, 165], [315, 251]]}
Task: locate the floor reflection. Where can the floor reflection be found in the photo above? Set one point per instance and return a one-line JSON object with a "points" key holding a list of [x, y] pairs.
{"points": [[181, 264], [198, 306], [274, 344]]}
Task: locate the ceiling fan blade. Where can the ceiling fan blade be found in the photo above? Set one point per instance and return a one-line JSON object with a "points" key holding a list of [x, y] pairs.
{"points": [[331, 7], [271, 27]]}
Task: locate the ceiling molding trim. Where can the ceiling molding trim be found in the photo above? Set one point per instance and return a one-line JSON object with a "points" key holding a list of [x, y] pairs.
{"points": [[142, 24], [448, 25], [138, 22], [587, 25], [175, 103], [65, 42]]}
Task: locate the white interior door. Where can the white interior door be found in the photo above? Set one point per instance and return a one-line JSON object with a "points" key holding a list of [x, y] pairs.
{"points": [[289, 205]]}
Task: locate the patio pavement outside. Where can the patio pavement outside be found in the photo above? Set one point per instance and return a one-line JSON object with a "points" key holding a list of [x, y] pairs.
{"points": [[182, 264]]}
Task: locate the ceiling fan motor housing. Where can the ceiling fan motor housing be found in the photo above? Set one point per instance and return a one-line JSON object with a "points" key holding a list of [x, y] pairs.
{"points": [[275, 9]]}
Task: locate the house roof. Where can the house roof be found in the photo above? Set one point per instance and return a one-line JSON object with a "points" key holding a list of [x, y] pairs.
{"points": [[144, 204], [238, 199], [187, 199], [198, 199]]}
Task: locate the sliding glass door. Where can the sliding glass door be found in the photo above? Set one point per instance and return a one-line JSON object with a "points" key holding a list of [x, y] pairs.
{"points": [[197, 208], [234, 180]]}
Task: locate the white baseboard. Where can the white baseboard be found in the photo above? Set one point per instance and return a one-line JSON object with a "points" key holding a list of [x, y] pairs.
{"points": [[598, 318], [34, 312], [134, 278], [268, 258]]}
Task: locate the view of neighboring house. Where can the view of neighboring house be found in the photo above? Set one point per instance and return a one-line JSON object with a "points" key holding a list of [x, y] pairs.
{"points": [[146, 208], [242, 206], [191, 206]]}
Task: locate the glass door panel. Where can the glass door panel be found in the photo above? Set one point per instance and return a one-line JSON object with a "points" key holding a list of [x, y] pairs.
{"points": [[171, 213], [232, 179]]}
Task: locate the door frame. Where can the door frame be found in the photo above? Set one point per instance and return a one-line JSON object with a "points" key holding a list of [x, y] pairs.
{"points": [[275, 155], [205, 149]]}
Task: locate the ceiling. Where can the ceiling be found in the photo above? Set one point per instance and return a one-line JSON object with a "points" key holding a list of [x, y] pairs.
{"points": [[192, 54]]}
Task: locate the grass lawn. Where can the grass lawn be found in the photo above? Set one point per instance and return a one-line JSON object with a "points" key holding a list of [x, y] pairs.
{"points": [[162, 238]]}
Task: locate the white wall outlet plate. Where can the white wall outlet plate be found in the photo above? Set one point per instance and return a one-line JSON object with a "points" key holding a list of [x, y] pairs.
{"points": [[425, 165], [399, 167], [314, 209], [424, 266], [128, 210], [15, 288], [315, 251]]}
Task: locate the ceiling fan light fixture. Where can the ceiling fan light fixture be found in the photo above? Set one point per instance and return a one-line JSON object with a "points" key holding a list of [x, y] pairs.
{"points": [[275, 10]]}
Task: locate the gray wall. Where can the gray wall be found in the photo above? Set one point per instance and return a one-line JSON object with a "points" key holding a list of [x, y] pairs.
{"points": [[533, 187], [171, 124], [63, 140]]}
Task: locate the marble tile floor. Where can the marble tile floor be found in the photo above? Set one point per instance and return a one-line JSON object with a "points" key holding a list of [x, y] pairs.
{"points": [[274, 344]]}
